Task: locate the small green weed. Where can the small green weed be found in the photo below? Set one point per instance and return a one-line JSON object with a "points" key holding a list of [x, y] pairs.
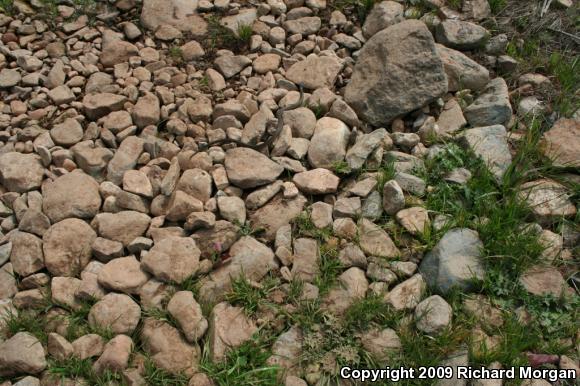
{"points": [[75, 368], [25, 321], [7, 7], [250, 296], [497, 5], [244, 365], [341, 168], [304, 227], [330, 268], [155, 376]]}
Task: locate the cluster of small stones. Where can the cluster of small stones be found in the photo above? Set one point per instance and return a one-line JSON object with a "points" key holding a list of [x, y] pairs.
{"points": [[124, 172]]}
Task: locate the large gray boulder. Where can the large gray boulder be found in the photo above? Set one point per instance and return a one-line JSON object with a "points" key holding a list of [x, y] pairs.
{"points": [[398, 71], [454, 262]]}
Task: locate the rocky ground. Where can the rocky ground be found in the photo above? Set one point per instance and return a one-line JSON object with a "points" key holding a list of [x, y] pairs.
{"points": [[260, 192]]}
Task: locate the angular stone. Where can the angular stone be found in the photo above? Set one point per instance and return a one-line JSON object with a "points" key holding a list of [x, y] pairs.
{"points": [[230, 65], [67, 247], [381, 344], [146, 111], [173, 259], [229, 328], [124, 159], [398, 71], [461, 35], [124, 226], [276, 213], [123, 274], [305, 25], [99, 105], [316, 181], [365, 145], [21, 354], [375, 241], [415, 220], [352, 286], [247, 168], [315, 71], [407, 295], [384, 14], [562, 143], [26, 254], [454, 262], [287, 349], [492, 106], [433, 315], [393, 197], [548, 200], [168, 350], [188, 314], [74, 194], [328, 144], [249, 258], [117, 312], [115, 356], [20, 172], [490, 144], [462, 72]]}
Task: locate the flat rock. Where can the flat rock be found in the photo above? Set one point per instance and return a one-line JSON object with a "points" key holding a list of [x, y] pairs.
{"points": [[316, 181], [21, 354], [548, 200], [173, 259], [229, 328], [99, 105], [305, 25], [123, 274], [67, 133], [375, 241], [461, 35], [247, 168], [167, 348], [328, 144], [26, 254], [462, 72], [543, 281], [454, 262], [384, 14], [67, 247], [490, 144], [117, 312], [315, 71], [75, 194], [408, 294], [20, 172], [433, 315], [177, 13], [398, 71], [492, 106], [562, 143], [276, 213], [250, 258]]}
